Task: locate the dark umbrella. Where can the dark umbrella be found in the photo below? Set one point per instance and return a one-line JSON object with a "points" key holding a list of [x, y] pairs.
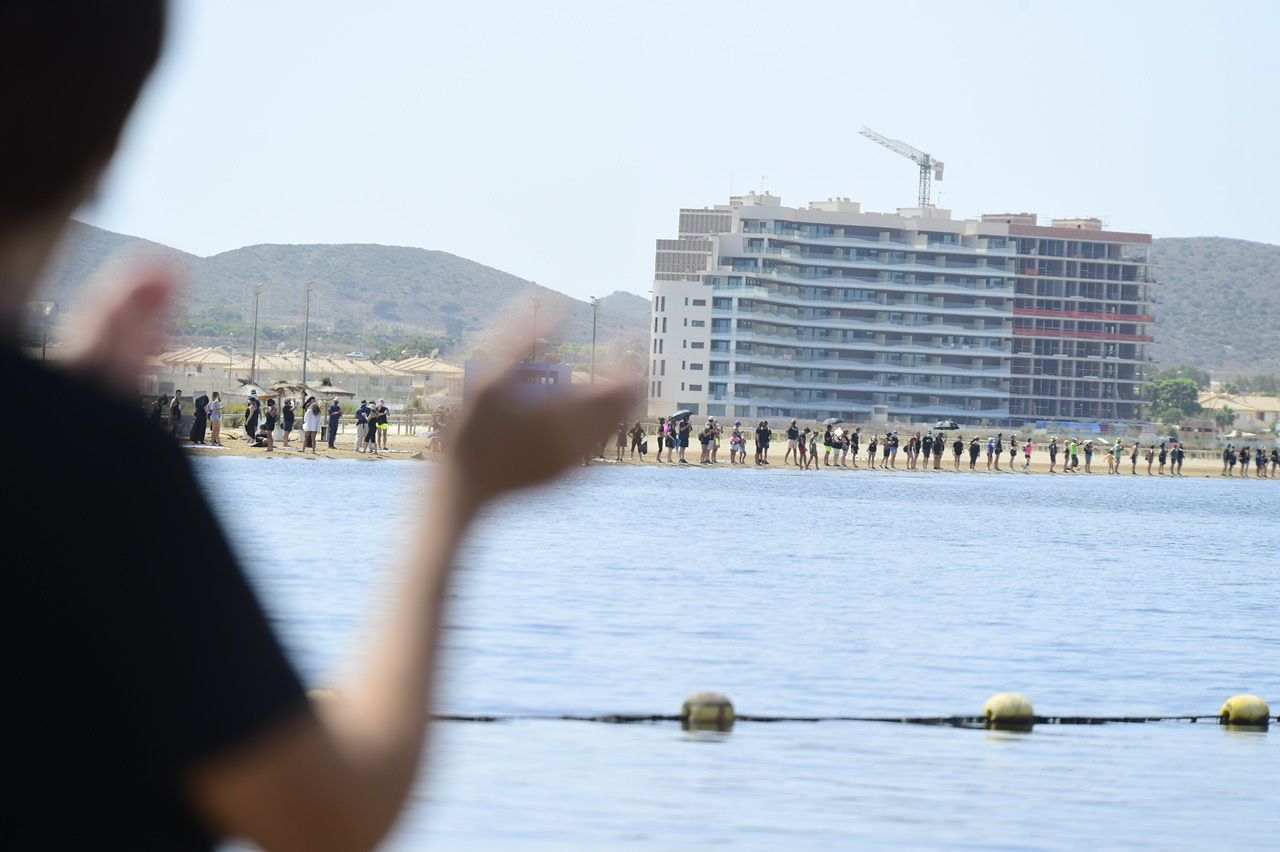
{"points": [[943, 425], [681, 414], [831, 421]]}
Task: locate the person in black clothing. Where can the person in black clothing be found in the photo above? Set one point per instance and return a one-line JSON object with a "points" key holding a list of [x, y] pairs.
{"points": [[199, 419], [162, 403], [286, 421], [682, 439], [175, 413], [252, 411], [154, 707], [335, 414]]}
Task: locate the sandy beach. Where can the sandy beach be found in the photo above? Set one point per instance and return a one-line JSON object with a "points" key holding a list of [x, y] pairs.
{"points": [[405, 448]]}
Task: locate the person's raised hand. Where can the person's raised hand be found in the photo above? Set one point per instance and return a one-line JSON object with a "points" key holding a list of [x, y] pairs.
{"points": [[124, 315], [503, 442]]}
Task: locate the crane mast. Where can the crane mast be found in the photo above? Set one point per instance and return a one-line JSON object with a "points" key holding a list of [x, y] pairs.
{"points": [[930, 169]]}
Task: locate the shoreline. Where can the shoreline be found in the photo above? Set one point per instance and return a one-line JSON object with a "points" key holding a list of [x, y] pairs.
{"points": [[403, 448]]}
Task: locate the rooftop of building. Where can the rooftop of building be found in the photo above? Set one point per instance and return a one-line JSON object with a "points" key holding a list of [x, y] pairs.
{"points": [[1017, 224]]}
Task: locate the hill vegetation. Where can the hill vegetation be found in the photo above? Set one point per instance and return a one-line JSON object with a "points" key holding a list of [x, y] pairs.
{"points": [[1219, 300], [1217, 311], [364, 297]]}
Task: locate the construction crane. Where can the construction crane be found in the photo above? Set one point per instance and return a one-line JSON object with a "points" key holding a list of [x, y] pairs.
{"points": [[930, 168]]}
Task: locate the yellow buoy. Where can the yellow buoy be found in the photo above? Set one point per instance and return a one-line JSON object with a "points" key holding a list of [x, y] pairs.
{"points": [[1009, 711], [1245, 710], [707, 711]]}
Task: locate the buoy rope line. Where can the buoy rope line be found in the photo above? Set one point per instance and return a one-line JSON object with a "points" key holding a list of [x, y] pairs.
{"points": [[952, 721], [1005, 710]]}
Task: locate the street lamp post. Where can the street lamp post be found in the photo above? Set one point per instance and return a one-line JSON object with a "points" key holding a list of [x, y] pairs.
{"points": [[536, 302], [306, 330], [253, 359], [595, 311]]}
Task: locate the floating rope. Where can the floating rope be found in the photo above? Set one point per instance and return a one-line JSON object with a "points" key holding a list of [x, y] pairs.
{"points": [[951, 721], [1006, 711]]}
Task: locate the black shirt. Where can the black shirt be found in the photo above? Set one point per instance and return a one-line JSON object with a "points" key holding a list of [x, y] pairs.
{"points": [[134, 649]]}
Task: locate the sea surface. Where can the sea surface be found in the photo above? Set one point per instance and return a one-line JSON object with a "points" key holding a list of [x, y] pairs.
{"points": [[898, 594]]}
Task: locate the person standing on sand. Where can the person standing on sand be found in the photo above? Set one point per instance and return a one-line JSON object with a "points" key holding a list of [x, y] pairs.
{"points": [[269, 418], [991, 450], [999, 449], [813, 450], [252, 411], [926, 447], [162, 402], [175, 413], [1133, 458], [1151, 455], [717, 432], [1013, 450], [310, 428], [872, 446], [957, 450], [1163, 456], [199, 418], [362, 424], [620, 442], [215, 419], [1180, 453], [1027, 449], [1088, 456], [855, 441], [1074, 454], [286, 423], [975, 450], [683, 431], [793, 444], [637, 438], [1053, 453], [335, 414]]}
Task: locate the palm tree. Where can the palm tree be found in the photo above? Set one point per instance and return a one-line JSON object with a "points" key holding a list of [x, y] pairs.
{"points": [[1224, 417]]}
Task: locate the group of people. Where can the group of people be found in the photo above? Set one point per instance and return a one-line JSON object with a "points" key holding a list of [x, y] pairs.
{"points": [[841, 448], [1260, 458]]}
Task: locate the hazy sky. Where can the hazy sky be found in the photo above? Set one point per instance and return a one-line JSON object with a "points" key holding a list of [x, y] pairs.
{"points": [[557, 140]]}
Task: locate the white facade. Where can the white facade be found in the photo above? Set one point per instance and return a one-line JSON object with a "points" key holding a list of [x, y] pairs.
{"points": [[763, 311]]}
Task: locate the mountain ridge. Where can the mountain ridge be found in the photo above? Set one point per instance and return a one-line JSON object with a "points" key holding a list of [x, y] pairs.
{"points": [[1215, 310]]}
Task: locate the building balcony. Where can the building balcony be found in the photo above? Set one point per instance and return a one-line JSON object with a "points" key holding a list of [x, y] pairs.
{"points": [[880, 385], [877, 364]]}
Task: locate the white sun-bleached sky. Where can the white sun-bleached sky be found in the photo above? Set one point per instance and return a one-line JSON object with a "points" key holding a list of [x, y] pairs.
{"points": [[557, 140]]}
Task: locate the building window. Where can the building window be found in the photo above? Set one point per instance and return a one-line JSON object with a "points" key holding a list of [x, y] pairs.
{"points": [[695, 387], [695, 366], [697, 344], [699, 303], [686, 322], [663, 368], [664, 325], [664, 303], [699, 323]]}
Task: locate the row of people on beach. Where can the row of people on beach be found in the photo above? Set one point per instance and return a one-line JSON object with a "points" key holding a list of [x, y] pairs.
{"points": [[841, 448], [266, 422]]}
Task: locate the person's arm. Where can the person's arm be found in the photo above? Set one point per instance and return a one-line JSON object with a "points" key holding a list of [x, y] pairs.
{"points": [[337, 778]]}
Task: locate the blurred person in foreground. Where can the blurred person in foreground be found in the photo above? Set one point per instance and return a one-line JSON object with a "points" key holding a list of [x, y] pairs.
{"points": [[150, 705]]}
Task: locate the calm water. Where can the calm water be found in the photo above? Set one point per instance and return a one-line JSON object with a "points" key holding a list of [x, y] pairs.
{"points": [[905, 594]]}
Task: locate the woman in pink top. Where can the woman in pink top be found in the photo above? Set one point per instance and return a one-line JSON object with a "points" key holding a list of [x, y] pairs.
{"points": [[1026, 454]]}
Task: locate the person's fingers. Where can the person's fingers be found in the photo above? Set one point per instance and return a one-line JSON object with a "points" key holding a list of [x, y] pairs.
{"points": [[594, 411]]}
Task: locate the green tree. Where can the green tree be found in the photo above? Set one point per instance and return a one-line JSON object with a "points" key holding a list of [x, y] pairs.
{"points": [[1185, 371], [1224, 418], [1174, 399]]}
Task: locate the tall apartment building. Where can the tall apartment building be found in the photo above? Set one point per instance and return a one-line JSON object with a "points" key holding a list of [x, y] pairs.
{"points": [[766, 311], [761, 311], [1083, 316]]}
